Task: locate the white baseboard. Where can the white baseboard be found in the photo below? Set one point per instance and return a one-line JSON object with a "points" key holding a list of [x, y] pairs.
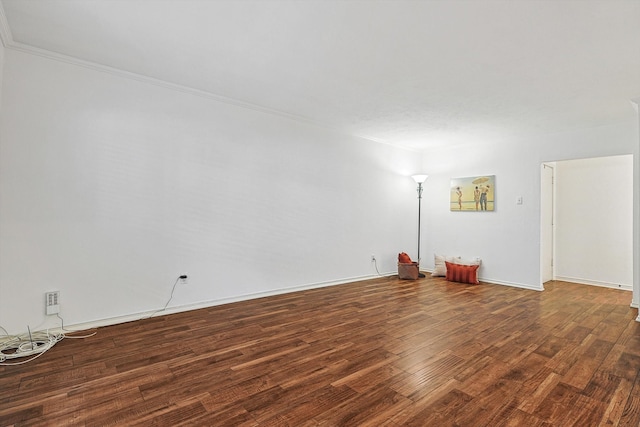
{"points": [[512, 284], [502, 283], [272, 292], [210, 303], [634, 304], [595, 283]]}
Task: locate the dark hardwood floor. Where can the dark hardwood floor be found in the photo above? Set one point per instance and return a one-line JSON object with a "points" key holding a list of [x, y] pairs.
{"points": [[383, 352]]}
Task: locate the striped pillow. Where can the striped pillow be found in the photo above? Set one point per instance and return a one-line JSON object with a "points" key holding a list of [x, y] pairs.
{"points": [[462, 273]]}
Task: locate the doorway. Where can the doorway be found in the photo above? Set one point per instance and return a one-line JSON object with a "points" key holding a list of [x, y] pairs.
{"points": [[587, 221]]}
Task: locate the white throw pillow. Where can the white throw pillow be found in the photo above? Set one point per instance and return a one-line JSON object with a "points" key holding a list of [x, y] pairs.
{"points": [[461, 261], [440, 268]]}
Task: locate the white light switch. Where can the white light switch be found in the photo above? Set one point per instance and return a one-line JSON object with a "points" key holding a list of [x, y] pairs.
{"points": [[519, 200]]}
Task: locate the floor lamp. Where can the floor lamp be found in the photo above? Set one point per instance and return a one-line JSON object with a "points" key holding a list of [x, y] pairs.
{"points": [[419, 179]]}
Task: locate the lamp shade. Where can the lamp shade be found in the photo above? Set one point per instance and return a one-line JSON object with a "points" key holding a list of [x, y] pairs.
{"points": [[419, 178]]}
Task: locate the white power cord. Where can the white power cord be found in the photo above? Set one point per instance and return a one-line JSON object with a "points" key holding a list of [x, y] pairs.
{"points": [[184, 276], [71, 330], [375, 264]]}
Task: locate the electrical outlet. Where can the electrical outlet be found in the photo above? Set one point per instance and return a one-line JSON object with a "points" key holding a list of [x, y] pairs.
{"points": [[373, 258], [52, 302], [184, 279]]}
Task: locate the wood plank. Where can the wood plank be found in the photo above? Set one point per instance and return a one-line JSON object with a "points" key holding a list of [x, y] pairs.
{"points": [[617, 404]]}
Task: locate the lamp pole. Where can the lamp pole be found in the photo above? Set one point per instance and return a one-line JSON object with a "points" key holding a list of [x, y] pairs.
{"points": [[419, 179], [419, 215]]}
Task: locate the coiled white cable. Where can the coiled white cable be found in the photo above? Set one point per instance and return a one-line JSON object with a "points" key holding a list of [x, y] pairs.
{"points": [[37, 343], [31, 345], [26, 345]]}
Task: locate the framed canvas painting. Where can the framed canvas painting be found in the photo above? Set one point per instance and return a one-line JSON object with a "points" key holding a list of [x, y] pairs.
{"points": [[473, 194]]}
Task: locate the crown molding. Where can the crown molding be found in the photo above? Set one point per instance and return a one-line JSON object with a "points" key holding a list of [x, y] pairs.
{"points": [[5, 31], [7, 41], [28, 49], [6, 38], [31, 50]]}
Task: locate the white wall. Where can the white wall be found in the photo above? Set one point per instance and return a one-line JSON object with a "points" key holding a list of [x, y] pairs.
{"points": [[636, 215], [110, 188], [508, 240], [594, 221], [1, 68], [2, 50]]}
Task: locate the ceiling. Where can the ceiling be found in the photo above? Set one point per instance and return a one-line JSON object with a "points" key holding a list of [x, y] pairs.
{"points": [[417, 74]]}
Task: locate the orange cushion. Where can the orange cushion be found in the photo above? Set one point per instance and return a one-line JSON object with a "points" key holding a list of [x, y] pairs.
{"points": [[462, 273], [403, 258]]}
